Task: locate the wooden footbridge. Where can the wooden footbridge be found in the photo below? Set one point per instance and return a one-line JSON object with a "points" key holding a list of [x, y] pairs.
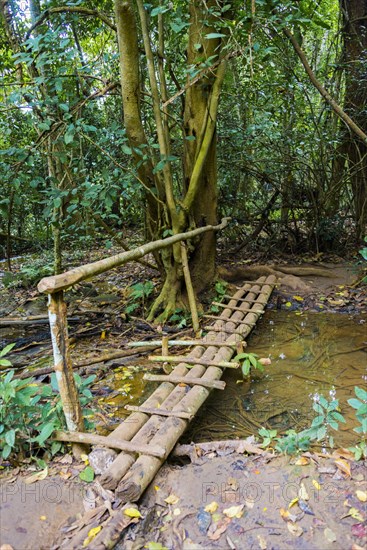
{"points": [[148, 435]]}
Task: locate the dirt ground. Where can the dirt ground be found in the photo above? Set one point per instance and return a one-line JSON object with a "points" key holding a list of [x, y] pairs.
{"points": [[240, 502], [230, 501], [32, 514]]}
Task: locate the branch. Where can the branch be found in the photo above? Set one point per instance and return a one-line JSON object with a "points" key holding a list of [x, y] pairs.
{"points": [[333, 104], [56, 283], [71, 9], [207, 139]]}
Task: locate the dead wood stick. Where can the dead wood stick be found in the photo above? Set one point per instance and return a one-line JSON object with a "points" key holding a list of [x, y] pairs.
{"points": [[217, 384], [93, 439], [184, 359]]}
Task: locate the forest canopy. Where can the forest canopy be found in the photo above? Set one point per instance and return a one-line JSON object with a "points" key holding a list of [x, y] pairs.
{"points": [[166, 116]]}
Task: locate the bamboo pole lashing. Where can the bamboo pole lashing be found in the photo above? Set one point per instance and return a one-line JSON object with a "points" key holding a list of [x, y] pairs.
{"points": [[212, 384], [159, 412]]}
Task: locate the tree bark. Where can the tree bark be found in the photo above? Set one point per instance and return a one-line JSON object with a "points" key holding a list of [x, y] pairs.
{"points": [[354, 14]]}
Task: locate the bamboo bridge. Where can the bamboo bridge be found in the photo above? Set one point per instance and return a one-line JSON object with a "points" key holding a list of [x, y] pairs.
{"points": [[147, 436]]}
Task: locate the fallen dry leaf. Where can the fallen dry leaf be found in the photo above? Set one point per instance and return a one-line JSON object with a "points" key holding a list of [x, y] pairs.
{"points": [[132, 513], [316, 484], [287, 516], [354, 513], [343, 453], [172, 499], [38, 476], [302, 493], [234, 511], [343, 466], [212, 507], [262, 542], [357, 547], [302, 461], [233, 483], [265, 361], [362, 495], [359, 530], [293, 502], [65, 475], [294, 529], [91, 535], [218, 529], [329, 535]]}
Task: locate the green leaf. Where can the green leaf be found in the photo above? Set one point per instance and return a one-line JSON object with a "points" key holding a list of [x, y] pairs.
{"points": [[323, 402], [355, 403], [126, 149], [337, 416], [6, 349], [6, 451], [10, 438], [5, 363], [69, 137], [360, 393], [46, 431], [87, 474], [158, 10], [214, 35]]}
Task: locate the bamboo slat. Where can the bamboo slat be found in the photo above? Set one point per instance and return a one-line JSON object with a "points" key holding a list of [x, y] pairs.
{"points": [[160, 412], [212, 384], [183, 359]]}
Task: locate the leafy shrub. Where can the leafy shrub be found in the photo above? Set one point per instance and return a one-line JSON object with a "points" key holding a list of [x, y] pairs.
{"points": [[31, 412]]}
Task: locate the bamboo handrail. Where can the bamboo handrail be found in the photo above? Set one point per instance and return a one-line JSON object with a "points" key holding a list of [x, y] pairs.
{"points": [[49, 285]]}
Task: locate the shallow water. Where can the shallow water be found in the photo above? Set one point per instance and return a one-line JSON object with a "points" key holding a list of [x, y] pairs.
{"points": [[311, 354]]}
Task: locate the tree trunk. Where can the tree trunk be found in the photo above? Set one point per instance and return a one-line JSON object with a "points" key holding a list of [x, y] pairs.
{"points": [[198, 204], [355, 46]]}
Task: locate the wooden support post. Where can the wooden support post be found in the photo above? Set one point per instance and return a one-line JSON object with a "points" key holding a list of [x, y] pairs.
{"points": [[165, 345], [187, 361], [190, 290], [217, 384], [63, 368]]}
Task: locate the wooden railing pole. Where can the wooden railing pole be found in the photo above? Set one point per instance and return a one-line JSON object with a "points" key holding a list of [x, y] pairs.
{"points": [[190, 290], [64, 372]]}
